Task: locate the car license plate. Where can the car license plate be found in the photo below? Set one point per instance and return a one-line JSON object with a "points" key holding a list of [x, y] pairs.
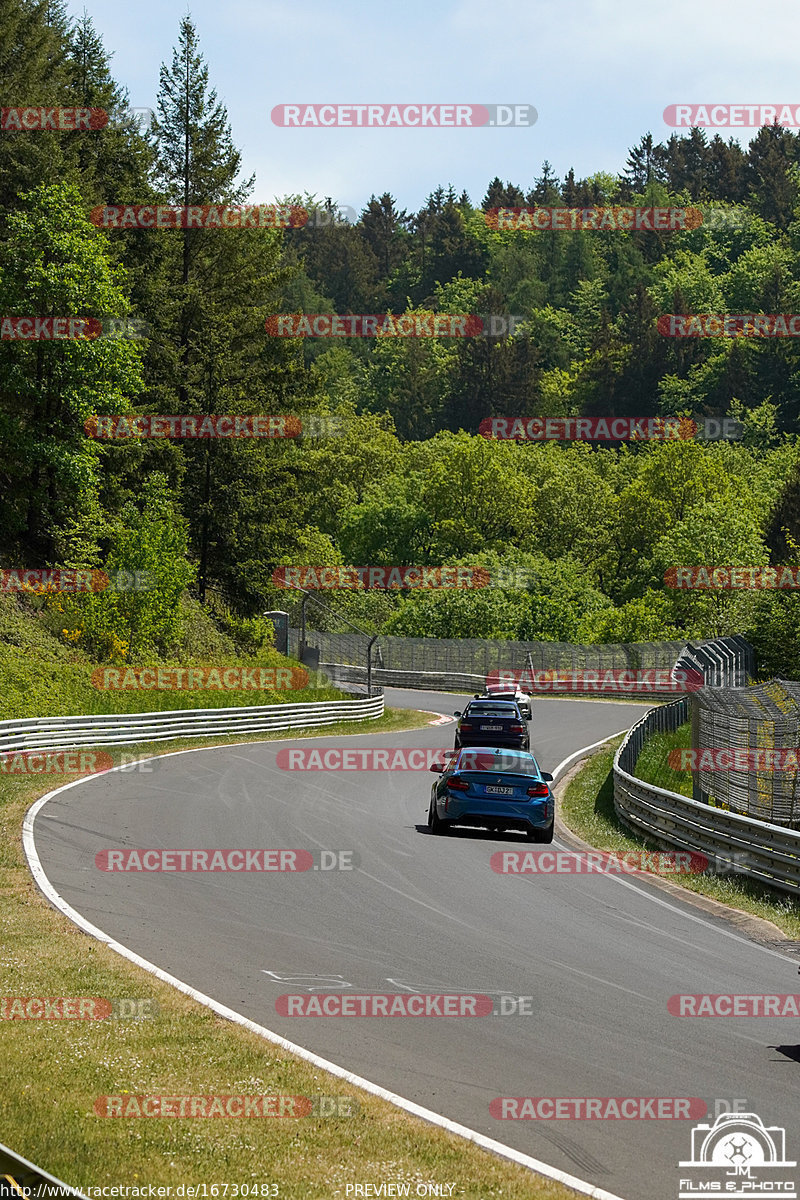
{"points": [[490, 728], [500, 791]]}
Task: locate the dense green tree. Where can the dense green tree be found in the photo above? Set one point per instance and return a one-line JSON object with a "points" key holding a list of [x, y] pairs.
{"points": [[53, 264]]}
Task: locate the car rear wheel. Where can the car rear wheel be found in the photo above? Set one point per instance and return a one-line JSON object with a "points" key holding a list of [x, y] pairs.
{"points": [[541, 835], [435, 822]]}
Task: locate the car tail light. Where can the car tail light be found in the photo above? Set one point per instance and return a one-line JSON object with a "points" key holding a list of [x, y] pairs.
{"points": [[466, 725], [457, 785], [517, 728], [539, 789]]}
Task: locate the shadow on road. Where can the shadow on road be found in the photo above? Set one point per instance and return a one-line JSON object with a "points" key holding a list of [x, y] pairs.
{"points": [[479, 835], [792, 1052]]}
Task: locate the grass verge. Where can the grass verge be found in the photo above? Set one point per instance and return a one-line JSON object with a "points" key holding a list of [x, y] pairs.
{"points": [[55, 1069], [653, 763], [587, 808]]}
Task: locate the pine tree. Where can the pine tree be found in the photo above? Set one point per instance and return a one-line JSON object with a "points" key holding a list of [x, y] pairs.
{"points": [[500, 195], [32, 72], [113, 162], [727, 165], [696, 159], [384, 228], [771, 155], [545, 190], [639, 167], [570, 189], [197, 163], [452, 251]]}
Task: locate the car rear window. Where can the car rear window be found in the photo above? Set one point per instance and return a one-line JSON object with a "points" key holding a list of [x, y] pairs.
{"points": [[492, 710], [501, 760]]}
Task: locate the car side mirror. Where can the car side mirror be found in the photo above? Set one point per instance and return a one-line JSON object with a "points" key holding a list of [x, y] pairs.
{"points": [[546, 776], [456, 714], [437, 767]]}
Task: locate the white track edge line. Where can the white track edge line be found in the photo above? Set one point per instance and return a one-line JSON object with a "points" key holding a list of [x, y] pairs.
{"points": [[650, 893], [433, 1118]]}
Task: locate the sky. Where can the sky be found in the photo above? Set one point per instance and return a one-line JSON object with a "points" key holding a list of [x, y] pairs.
{"points": [[598, 72]]}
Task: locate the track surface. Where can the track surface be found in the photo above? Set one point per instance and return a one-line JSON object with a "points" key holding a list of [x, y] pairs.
{"points": [[599, 956]]}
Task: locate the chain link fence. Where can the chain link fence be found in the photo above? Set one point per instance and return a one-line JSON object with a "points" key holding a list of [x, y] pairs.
{"points": [[466, 663], [765, 717], [760, 850], [342, 656]]}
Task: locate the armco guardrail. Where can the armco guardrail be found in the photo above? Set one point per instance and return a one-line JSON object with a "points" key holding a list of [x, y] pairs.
{"points": [[123, 729], [767, 853], [341, 673]]}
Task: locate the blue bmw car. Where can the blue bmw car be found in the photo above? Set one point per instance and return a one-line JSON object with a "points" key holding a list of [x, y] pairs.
{"points": [[494, 789]]}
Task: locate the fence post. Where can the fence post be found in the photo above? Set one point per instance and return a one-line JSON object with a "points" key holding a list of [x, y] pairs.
{"points": [[369, 664], [302, 645]]}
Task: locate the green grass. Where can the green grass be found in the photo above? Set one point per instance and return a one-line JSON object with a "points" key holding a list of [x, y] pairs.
{"points": [[587, 809], [653, 763], [42, 676], [55, 1070]]}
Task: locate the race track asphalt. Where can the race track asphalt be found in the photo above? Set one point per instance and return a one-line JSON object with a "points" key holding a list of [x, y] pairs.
{"points": [[598, 956]]}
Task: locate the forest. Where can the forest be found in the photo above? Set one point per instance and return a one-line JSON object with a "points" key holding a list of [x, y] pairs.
{"points": [[393, 466]]}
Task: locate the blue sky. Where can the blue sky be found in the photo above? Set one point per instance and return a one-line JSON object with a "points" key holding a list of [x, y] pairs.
{"points": [[598, 72]]}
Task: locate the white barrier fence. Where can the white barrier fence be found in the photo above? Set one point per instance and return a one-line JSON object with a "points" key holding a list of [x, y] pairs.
{"points": [[767, 853], [123, 729], [723, 662]]}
